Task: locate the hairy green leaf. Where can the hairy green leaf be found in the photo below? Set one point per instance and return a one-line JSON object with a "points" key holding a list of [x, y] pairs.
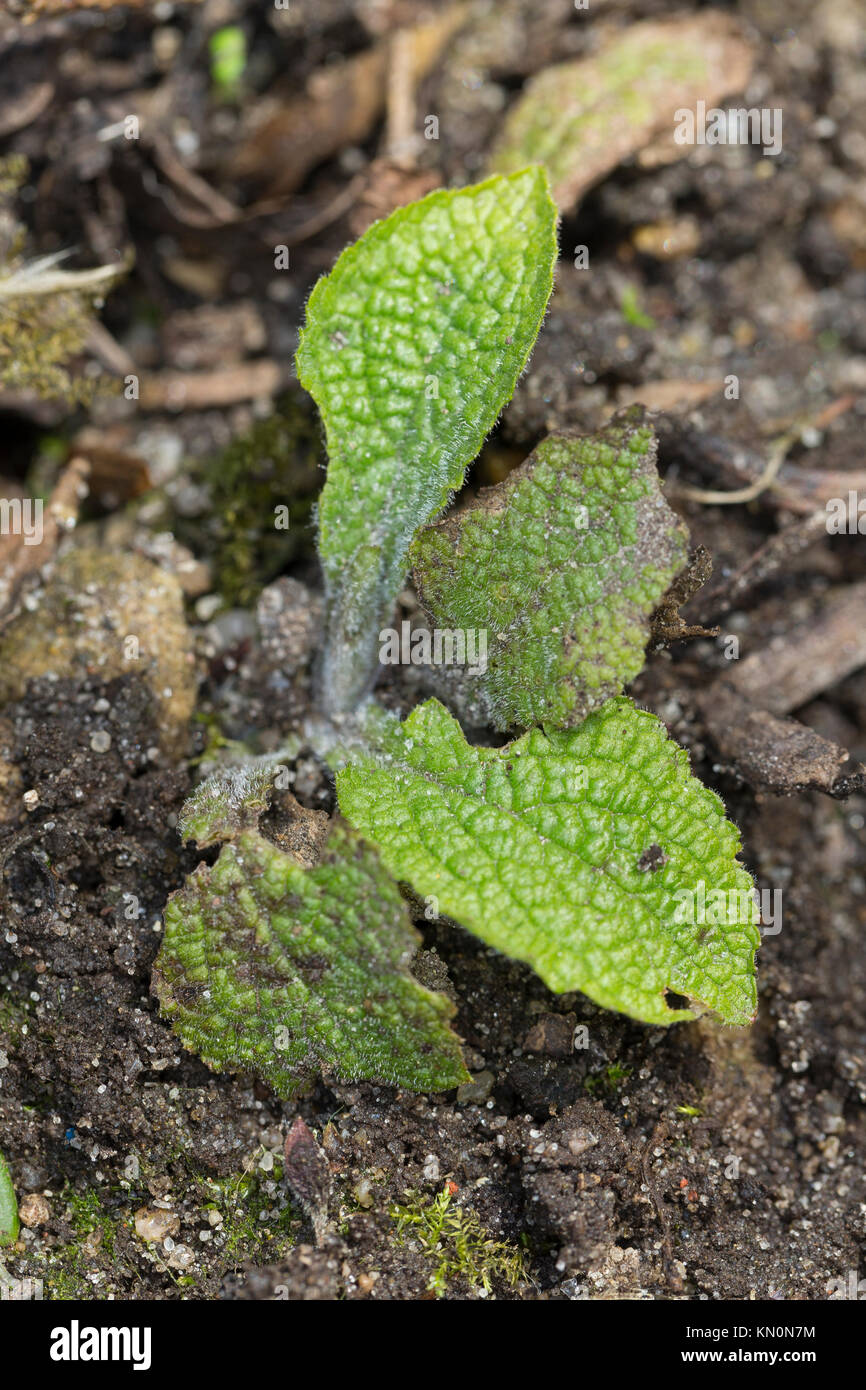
{"points": [[559, 567], [580, 119], [412, 345], [8, 1206], [232, 799], [591, 853], [286, 971]]}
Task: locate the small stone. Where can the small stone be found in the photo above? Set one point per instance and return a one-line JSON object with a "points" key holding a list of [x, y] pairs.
{"points": [[363, 1193], [154, 1225], [208, 606], [181, 1257], [552, 1035], [100, 741], [477, 1090], [668, 239], [92, 1242], [431, 1168], [579, 1140], [33, 1210], [290, 621], [31, 800]]}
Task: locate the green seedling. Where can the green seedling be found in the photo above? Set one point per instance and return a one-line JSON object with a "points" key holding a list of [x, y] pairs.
{"points": [[632, 311], [582, 846], [228, 59], [412, 345]]}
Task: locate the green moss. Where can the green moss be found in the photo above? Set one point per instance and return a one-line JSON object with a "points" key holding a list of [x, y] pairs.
{"points": [[86, 1215], [42, 329], [228, 59], [275, 465], [13, 171], [65, 1277], [14, 1015], [243, 1201], [609, 1080], [458, 1246], [67, 1269], [38, 335]]}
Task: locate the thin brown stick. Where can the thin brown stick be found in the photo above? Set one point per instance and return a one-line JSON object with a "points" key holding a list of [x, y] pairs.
{"points": [[60, 516], [245, 381], [791, 669], [766, 562]]}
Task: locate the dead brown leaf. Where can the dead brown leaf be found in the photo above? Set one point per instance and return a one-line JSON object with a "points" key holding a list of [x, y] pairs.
{"points": [[582, 119], [340, 107]]}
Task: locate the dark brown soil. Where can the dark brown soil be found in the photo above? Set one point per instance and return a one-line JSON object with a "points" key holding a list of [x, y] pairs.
{"points": [[690, 1162]]}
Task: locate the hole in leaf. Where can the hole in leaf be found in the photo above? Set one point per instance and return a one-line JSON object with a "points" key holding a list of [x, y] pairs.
{"points": [[676, 1001]]}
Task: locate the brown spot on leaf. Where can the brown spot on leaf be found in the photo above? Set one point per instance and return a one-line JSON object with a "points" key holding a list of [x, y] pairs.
{"points": [[652, 859]]}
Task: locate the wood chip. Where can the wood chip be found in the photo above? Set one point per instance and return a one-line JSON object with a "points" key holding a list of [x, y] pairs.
{"points": [[795, 666], [776, 755], [247, 381]]}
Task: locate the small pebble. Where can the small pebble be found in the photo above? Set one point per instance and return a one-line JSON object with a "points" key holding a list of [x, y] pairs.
{"points": [[181, 1257], [33, 1210], [477, 1090], [207, 606], [363, 1193], [153, 1225]]}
